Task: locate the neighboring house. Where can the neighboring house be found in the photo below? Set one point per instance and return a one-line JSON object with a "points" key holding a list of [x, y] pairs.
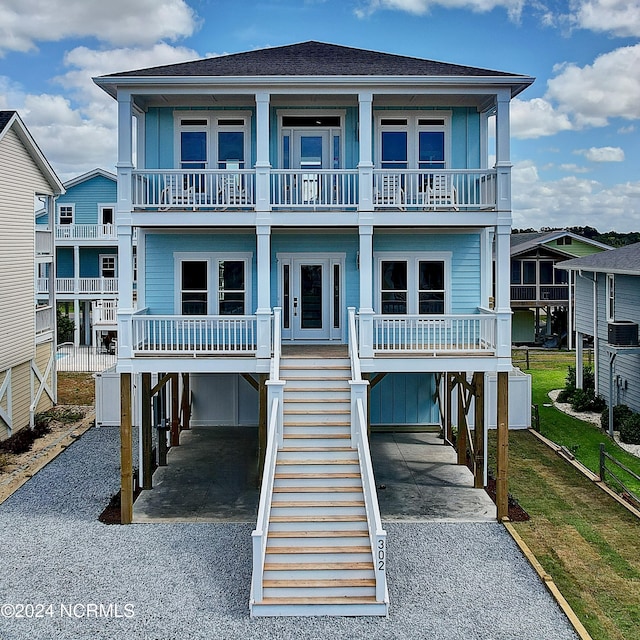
{"points": [[87, 257], [540, 291], [607, 300], [27, 322], [311, 219]]}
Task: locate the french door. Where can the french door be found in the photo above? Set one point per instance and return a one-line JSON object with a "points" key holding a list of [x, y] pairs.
{"points": [[311, 297]]}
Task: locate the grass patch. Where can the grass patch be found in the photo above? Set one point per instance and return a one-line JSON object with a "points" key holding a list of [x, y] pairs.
{"points": [[76, 388], [582, 537]]}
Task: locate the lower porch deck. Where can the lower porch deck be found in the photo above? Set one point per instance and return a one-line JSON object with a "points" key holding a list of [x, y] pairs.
{"points": [[212, 477]]}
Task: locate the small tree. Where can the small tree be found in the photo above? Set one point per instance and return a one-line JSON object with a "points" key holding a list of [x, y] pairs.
{"points": [[65, 327]]}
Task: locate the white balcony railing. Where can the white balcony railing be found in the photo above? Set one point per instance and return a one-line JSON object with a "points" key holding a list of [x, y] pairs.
{"points": [[44, 320], [83, 286], [405, 189], [105, 312], [435, 334], [44, 242], [197, 335], [86, 232], [293, 189], [206, 189]]}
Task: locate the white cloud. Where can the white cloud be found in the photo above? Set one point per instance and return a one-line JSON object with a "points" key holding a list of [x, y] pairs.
{"points": [[78, 132], [572, 201], [602, 154], [536, 118], [421, 7], [23, 23], [619, 17], [573, 168], [608, 88]]}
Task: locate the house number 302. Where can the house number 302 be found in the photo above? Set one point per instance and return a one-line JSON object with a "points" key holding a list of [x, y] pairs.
{"points": [[381, 555]]}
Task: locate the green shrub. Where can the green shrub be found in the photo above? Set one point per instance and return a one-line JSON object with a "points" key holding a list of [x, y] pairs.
{"points": [[19, 442], [630, 429], [620, 413]]}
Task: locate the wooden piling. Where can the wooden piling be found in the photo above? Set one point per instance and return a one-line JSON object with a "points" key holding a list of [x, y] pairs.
{"points": [[147, 441], [502, 457], [126, 451], [478, 432]]}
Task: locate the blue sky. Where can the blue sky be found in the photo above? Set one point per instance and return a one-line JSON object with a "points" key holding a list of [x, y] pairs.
{"points": [[576, 137]]}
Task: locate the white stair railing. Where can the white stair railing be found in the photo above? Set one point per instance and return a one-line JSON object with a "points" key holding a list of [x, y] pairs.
{"points": [[360, 441], [275, 428]]}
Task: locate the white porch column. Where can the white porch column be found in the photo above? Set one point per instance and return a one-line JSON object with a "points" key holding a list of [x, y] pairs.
{"points": [[579, 360], [76, 322], [263, 165], [503, 153], [263, 312], [365, 164], [366, 291], [503, 290], [76, 269]]}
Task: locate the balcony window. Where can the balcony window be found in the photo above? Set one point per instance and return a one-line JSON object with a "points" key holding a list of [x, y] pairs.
{"points": [[394, 286], [431, 287], [108, 266], [311, 141], [231, 287], [65, 213], [194, 287], [106, 214], [546, 272]]}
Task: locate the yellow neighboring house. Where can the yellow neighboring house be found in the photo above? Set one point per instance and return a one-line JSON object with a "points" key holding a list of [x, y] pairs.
{"points": [[27, 322]]}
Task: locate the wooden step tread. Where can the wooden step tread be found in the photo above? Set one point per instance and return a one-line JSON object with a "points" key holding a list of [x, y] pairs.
{"points": [[315, 378], [323, 584], [301, 367], [313, 550], [317, 566], [347, 533], [317, 436], [311, 461], [312, 448], [319, 518], [310, 476], [292, 504], [356, 489], [346, 600], [317, 412], [310, 398], [292, 388], [315, 425]]}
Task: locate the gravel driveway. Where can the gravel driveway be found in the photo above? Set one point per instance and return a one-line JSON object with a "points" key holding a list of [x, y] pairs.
{"points": [[177, 581]]}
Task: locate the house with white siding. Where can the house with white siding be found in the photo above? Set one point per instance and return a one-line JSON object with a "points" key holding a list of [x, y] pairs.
{"points": [[607, 302], [86, 261], [315, 230], [27, 321]]}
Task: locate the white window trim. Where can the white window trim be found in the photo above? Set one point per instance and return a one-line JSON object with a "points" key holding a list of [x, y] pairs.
{"points": [[320, 112], [212, 259], [65, 205], [102, 257], [413, 128], [412, 258], [211, 128], [611, 297], [101, 208]]}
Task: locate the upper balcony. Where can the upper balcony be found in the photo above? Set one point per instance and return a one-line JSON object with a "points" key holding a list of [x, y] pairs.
{"points": [[415, 190], [75, 233]]}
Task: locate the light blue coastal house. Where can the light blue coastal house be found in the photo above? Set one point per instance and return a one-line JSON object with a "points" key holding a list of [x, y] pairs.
{"points": [[87, 257], [315, 227]]}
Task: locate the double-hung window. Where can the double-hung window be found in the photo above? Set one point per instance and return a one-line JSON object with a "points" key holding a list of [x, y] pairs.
{"points": [[212, 284], [108, 266], [611, 297], [414, 285], [65, 213]]}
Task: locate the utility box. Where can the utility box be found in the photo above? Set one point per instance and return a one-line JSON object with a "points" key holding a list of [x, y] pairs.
{"points": [[623, 333]]}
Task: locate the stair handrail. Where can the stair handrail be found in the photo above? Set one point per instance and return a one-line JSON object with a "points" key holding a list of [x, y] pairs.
{"points": [[360, 441], [277, 343], [259, 534], [377, 535]]}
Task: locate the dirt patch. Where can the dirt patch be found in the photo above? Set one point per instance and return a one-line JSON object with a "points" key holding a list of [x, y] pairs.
{"points": [[111, 513], [516, 512], [76, 388]]}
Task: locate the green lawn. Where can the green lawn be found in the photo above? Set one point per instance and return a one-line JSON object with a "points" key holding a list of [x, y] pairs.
{"points": [[582, 438]]}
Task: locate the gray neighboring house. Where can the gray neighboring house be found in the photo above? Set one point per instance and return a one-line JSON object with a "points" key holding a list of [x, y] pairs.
{"points": [[607, 303]]}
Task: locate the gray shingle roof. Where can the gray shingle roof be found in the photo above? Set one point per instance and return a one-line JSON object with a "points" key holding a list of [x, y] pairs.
{"points": [[623, 260], [313, 59]]}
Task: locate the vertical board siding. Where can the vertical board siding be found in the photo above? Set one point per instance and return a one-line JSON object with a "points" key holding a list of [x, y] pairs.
{"points": [[160, 267], [20, 180], [404, 399], [466, 265], [86, 196], [347, 243]]}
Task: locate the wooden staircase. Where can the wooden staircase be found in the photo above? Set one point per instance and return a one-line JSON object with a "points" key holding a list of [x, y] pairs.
{"points": [[318, 558]]}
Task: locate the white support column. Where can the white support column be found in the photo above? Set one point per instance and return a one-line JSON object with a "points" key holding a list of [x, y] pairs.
{"points": [[366, 291], [263, 165], [503, 153], [579, 360], [365, 164], [76, 322], [570, 312], [503, 290], [263, 312], [76, 269]]}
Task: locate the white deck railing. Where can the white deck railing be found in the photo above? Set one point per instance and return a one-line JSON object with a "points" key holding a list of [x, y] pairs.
{"points": [[360, 442], [85, 286], [296, 189], [105, 312], [434, 334], [207, 189], [323, 188], [86, 232], [44, 320], [197, 335], [434, 190]]}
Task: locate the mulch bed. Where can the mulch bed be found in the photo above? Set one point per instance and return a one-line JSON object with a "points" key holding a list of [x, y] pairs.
{"points": [[516, 512], [111, 514]]}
